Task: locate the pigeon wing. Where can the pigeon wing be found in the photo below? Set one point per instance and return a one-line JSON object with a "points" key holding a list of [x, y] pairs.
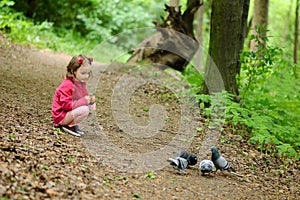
{"points": [[221, 163], [183, 154], [182, 163]]}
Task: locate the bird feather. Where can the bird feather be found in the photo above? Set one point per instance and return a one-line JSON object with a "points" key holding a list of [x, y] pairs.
{"points": [[206, 166], [219, 161]]}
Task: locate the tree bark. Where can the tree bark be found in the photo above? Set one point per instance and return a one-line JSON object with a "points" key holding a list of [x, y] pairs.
{"points": [[287, 24], [244, 33], [199, 36], [260, 18], [296, 40], [174, 45], [228, 29], [189, 15]]}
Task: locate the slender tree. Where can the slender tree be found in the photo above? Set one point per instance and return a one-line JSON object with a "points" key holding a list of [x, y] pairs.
{"points": [[199, 36], [260, 18], [228, 29], [287, 22], [296, 40]]}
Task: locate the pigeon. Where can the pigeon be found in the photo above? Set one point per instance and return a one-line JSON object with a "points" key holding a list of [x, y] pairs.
{"points": [[191, 158], [206, 166], [180, 163], [219, 161]]}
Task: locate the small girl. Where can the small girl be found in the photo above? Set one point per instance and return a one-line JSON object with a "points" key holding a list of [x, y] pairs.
{"points": [[71, 102]]}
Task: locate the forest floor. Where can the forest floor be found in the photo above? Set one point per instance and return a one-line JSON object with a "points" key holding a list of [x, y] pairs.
{"points": [[39, 162]]}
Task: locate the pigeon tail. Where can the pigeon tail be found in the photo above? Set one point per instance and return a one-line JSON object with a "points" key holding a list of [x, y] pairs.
{"points": [[179, 162], [173, 162], [231, 169]]}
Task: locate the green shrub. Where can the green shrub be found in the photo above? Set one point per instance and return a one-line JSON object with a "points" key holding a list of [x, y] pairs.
{"points": [[265, 129], [270, 101]]}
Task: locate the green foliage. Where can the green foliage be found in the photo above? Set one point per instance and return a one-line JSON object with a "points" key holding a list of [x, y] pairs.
{"points": [[95, 20], [275, 118], [44, 167], [150, 175], [222, 108], [273, 101], [11, 136], [258, 64], [194, 78], [23, 30], [146, 109], [270, 102], [268, 128], [79, 26]]}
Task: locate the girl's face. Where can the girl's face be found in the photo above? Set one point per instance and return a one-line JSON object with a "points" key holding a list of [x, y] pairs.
{"points": [[83, 72]]}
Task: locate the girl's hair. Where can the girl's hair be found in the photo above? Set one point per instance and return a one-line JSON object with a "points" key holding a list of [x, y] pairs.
{"points": [[75, 63]]}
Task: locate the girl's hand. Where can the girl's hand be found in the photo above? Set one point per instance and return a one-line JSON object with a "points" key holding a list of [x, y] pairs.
{"points": [[88, 99], [92, 99]]}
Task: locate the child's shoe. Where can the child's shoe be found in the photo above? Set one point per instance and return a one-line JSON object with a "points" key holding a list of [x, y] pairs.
{"points": [[71, 130], [77, 130]]}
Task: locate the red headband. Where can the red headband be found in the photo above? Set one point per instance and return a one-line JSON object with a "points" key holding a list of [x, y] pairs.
{"points": [[80, 61]]}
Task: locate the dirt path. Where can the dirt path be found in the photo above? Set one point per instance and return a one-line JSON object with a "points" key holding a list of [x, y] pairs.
{"points": [[37, 162]]}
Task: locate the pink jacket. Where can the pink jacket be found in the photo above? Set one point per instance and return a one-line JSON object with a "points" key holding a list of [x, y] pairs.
{"points": [[68, 96]]}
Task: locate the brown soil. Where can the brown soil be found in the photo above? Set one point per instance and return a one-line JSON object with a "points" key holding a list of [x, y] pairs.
{"points": [[39, 162]]}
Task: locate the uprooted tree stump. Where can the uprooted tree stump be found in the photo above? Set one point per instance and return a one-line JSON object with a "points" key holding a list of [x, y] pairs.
{"points": [[174, 43]]}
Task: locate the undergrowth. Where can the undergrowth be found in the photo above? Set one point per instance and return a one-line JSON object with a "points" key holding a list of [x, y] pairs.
{"points": [[268, 126], [270, 101], [44, 35]]}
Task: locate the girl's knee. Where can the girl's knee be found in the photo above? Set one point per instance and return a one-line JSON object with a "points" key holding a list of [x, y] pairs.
{"points": [[85, 110], [81, 111]]}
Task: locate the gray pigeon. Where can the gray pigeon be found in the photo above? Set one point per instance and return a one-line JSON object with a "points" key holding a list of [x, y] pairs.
{"points": [[191, 158], [180, 163], [206, 166], [219, 161]]}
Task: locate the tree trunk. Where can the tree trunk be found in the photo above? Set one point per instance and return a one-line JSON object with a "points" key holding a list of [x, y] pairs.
{"points": [[189, 15], [228, 29], [287, 28], [244, 33], [260, 18], [174, 45], [296, 40], [199, 36]]}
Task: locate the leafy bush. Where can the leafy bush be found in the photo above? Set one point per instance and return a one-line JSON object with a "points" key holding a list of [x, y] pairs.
{"points": [[266, 129], [96, 20], [270, 102], [257, 65], [23, 30], [74, 25]]}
